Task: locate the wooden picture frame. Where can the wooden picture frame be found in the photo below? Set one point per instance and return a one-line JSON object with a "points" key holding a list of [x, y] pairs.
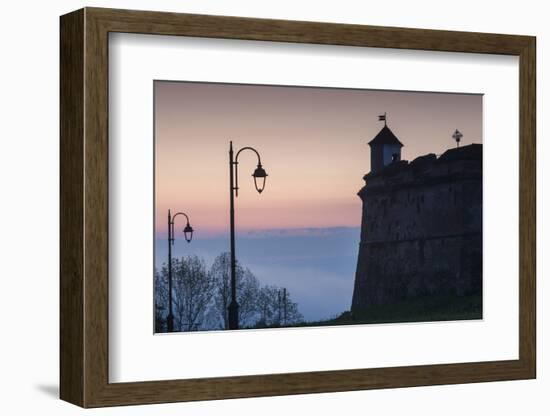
{"points": [[84, 207]]}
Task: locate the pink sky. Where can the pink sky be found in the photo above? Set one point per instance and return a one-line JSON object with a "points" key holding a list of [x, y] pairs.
{"points": [[313, 144]]}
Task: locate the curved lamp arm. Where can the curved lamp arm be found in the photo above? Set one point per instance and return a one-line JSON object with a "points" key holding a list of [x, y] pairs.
{"points": [[187, 229], [248, 148], [180, 213], [236, 163]]}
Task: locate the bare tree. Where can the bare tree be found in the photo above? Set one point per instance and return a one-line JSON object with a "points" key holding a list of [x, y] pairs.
{"points": [[288, 309], [161, 299], [248, 290], [192, 292], [220, 273], [268, 307], [247, 286], [201, 299], [276, 308]]}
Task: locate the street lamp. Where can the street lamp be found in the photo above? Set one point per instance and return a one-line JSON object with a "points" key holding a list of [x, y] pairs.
{"points": [[259, 176], [188, 234]]}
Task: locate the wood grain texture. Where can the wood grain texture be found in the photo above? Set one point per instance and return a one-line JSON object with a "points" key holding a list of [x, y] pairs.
{"points": [[527, 207], [71, 208], [96, 220], [84, 207]]}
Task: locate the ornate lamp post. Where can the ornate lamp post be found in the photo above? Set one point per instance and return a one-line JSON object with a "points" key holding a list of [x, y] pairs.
{"points": [[188, 234], [259, 176]]}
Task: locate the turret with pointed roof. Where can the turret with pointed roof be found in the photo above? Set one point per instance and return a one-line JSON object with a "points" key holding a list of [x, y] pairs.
{"points": [[385, 148]]}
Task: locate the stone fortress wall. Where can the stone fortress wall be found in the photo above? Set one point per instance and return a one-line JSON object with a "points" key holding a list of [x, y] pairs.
{"points": [[421, 228]]}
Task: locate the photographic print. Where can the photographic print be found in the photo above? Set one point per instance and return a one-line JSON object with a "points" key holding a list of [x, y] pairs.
{"points": [[290, 206], [319, 189]]}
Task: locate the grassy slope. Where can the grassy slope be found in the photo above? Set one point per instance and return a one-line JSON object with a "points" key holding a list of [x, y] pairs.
{"points": [[422, 309]]}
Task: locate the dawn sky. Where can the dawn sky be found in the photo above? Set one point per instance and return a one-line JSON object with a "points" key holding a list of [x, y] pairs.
{"points": [[313, 144]]}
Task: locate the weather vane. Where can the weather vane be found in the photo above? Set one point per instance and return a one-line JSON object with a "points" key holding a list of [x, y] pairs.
{"points": [[383, 118], [457, 136]]}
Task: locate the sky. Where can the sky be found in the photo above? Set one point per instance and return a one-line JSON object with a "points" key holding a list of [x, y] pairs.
{"points": [[302, 232], [313, 144]]}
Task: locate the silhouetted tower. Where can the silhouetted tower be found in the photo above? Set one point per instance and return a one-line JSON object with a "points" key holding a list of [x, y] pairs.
{"points": [[385, 148]]}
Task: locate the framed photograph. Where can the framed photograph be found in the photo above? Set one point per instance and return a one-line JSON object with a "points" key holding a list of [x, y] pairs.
{"points": [[255, 207]]}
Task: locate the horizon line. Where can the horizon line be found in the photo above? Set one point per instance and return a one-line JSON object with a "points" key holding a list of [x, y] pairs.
{"points": [[276, 231]]}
